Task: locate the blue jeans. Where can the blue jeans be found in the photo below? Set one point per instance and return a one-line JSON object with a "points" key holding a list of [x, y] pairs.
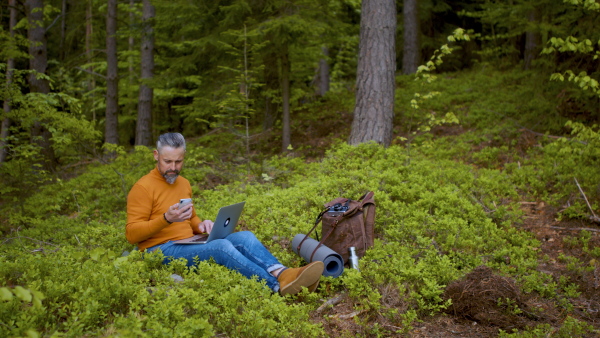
{"points": [[240, 251]]}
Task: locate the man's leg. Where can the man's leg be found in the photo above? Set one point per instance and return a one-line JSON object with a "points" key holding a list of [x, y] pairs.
{"points": [[224, 253], [249, 246], [290, 280], [241, 251]]}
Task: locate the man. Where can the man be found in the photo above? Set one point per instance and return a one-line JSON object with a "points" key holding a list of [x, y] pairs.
{"points": [[154, 221]]}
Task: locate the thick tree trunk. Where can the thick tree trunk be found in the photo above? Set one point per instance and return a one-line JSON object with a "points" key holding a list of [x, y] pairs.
{"points": [[143, 132], [111, 134], [10, 65], [411, 50], [323, 75], [532, 39], [39, 62], [37, 46], [374, 109], [285, 88]]}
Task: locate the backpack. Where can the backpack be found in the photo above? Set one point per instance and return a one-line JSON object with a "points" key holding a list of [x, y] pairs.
{"points": [[346, 223]]}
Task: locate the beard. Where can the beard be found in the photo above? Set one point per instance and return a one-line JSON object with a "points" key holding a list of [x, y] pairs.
{"points": [[169, 177]]}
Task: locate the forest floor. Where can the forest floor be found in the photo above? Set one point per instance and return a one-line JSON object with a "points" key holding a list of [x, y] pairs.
{"points": [[476, 296], [481, 315]]}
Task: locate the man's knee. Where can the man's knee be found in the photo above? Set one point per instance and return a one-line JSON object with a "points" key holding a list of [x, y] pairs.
{"points": [[242, 235]]}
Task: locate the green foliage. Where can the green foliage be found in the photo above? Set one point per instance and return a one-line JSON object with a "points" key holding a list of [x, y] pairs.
{"points": [[445, 205], [344, 66], [581, 45], [139, 298], [70, 136], [571, 327], [587, 4], [435, 221], [553, 176]]}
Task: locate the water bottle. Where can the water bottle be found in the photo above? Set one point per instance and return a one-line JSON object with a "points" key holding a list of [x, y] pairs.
{"points": [[353, 258]]}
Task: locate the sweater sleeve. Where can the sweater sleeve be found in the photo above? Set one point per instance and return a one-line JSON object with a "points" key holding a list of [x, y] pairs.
{"points": [[194, 219], [139, 210]]}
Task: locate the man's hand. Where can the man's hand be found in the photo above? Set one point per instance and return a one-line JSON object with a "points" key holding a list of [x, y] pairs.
{"points": [[174, 214], [206, 226]]}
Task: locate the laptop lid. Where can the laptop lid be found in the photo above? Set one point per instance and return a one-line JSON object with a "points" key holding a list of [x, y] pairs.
{"points": [[224, 225]]}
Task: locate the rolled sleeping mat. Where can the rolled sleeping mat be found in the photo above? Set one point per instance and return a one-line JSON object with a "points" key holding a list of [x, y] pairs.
{"points": [[334, 263]]}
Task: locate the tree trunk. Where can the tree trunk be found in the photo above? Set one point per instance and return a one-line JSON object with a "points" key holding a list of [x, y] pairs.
{"points": [[63, 29], [272, 82], [37, 46], [323, 76], [89, 55], [532, 39], [411, 50], [38, 62], [143, 132], [131, 107], [111, 134], [374, 109], [285, 88], [10, 65]]}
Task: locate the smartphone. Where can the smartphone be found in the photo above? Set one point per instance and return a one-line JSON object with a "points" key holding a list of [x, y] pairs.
{"points": [[184, 201]]}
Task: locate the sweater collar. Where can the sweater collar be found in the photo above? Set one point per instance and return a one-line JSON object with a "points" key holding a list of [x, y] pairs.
{"points": [[156, 174]]}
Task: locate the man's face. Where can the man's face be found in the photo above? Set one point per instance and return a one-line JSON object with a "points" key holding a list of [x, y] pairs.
{"points": [[169, 162]]}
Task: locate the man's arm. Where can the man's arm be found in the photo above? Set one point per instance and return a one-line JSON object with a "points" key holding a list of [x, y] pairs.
{"points": [[139, 209]]}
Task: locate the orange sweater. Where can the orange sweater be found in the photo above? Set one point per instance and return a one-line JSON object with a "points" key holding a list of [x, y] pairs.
{"points": [[148, 200]]}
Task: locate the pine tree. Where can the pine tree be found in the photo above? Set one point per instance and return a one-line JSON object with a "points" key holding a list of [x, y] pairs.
{"points": [[374, 109]]}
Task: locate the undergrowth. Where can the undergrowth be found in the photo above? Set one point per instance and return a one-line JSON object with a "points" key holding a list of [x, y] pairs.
{"points": [[444, 207]]}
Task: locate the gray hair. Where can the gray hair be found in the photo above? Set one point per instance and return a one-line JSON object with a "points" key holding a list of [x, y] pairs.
{"points": [[173, 140]]}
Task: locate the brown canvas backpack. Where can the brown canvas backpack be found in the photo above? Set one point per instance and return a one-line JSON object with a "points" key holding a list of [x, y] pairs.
{"points": [[347, 223]]}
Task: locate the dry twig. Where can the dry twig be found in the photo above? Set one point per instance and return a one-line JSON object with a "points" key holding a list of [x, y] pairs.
{"points": [[593, 217], [564, 228], [330, 303]]}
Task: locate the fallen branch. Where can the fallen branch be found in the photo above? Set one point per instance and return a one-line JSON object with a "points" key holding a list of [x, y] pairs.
{"points": [[564, 228], [349, 315], [330, 303], [594, 218]]}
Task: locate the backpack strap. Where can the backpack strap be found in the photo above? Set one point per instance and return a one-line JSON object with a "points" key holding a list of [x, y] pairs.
{"points": [[325, 237], [365, 199], [313, 228]]}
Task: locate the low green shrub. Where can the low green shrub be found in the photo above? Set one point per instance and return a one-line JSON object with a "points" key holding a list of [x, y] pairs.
{"points": [[436, 220], [570, 327], [445, 205]]}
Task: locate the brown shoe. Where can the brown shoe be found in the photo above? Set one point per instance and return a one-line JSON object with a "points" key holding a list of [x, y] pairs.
{"points": [[292, 280], [313, 287]]}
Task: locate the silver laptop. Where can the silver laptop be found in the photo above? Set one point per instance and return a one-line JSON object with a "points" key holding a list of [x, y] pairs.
{"points": [[225, 224]]}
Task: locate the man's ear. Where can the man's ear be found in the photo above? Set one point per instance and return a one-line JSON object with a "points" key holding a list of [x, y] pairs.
{"points": [[155, 154]]}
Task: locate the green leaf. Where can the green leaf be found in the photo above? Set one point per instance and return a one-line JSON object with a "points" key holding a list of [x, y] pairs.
{"points": [[31, 333], [38, 295], [96, 253], [23, 294], [5, 294]]}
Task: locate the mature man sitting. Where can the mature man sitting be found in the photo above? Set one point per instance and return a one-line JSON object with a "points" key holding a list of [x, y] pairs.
{"points": [[154, 221]]}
